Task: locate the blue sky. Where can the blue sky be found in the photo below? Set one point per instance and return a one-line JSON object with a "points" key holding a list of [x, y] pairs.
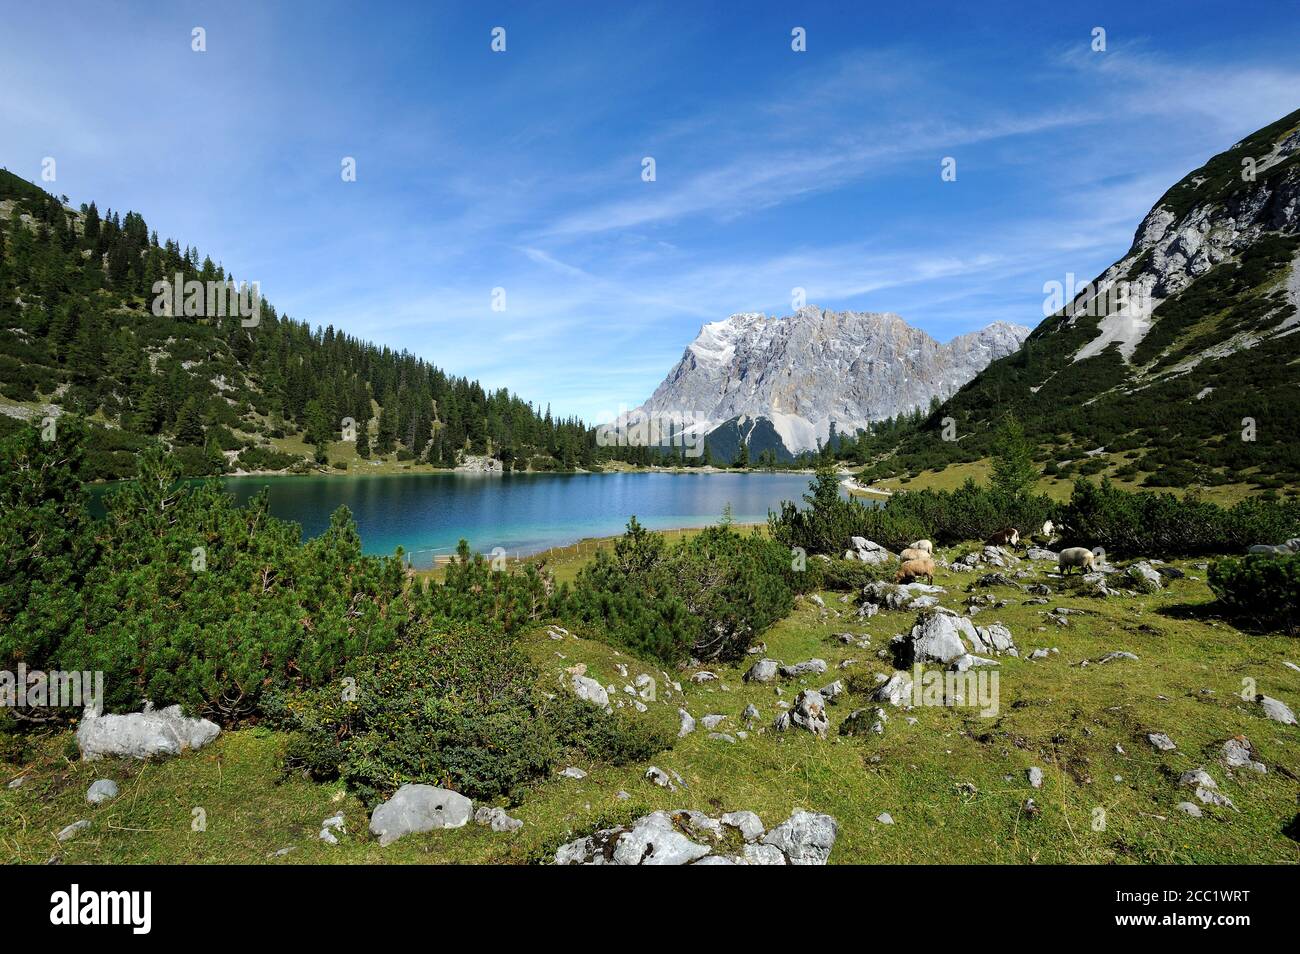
{"points": [[522, 169]]}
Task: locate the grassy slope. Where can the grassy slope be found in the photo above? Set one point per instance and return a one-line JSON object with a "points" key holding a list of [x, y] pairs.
{"points": [[1065, 719]]}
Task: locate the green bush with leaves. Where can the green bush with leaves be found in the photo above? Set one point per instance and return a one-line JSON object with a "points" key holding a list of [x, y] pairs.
{"points": [[471, 590], [456, 706], [1164, 525], [1262, 588], [707, 597], [178, 595], [970, 512]]}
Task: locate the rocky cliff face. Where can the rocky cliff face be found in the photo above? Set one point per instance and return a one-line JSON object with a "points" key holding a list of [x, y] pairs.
{"points": [[1179, 361], [1209, 218], [816, 367]]}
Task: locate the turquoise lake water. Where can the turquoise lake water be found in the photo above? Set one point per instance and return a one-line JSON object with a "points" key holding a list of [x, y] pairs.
{"points": [[426, 514]]}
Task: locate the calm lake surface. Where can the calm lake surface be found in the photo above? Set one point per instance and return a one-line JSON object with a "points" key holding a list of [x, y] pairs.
{"points": [[426, 514]]}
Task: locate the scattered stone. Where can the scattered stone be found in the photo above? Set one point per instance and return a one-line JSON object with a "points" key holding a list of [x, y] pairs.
{"points": [[832, 691], [885, 818], [936, 638], [1276, 710], [1117, 654], [722, 737], [1144, 577], [1161, 741], [328, 837], [281, 852], [1042, 553], [497, 819], [1035, 776], [419, 808], [687, 724], [1239, 753], [765, 670], [73, 830], [143, 735], [589, 690], [702, 677], [1206, 789], [1189, 808], [996, 579], [751, 713], [573, 772], [711, 722], [660, 778], [748, 824], [809, 712], [817, 600], [812, 666], [101, 790], [805, 838], [17, 782], [896, 690]]}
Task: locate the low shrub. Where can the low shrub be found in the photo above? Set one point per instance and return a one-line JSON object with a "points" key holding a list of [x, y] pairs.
{"points": [[1261, 588], [970, 512], [1164, 525], [707, 597], [455, 706]]}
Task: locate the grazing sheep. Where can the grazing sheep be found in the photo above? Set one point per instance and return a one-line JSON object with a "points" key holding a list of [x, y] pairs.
{"points": [[925, 545], [1081, 557], [914, 553], [914, 570], [1007, 536]]}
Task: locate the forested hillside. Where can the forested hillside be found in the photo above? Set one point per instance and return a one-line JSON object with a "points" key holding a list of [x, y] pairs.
{"points": [[79, 333]]}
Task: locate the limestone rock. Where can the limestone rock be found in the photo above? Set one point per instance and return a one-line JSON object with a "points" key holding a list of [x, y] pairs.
{"points": [[419, 808]]}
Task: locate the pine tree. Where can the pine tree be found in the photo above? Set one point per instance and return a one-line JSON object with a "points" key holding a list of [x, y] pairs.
{"points": [[363, 439], [1014, 473], [189, 424], [386, 439]]}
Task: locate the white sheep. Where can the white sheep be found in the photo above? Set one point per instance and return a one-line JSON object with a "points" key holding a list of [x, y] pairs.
{"points": [[925, 545], [1080, 557]]}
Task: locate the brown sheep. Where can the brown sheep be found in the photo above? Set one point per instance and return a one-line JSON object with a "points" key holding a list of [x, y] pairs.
{"points": [[1007, 536], [914, 570]]}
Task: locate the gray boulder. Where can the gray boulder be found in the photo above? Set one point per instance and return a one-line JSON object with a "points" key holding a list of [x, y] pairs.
{"points": [[1144, 578], [936, 637], [687, 725], [143, 735], [589, 690], [1239, 753], [765, 670], [808, 712], [748, 824], [417, 808], [805, 838], [1161, 741], [1276, 710], [896, 690], [811, 667]]}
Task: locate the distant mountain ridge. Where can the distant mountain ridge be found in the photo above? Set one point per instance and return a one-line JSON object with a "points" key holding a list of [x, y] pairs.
{"points": [[787, 380]]}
